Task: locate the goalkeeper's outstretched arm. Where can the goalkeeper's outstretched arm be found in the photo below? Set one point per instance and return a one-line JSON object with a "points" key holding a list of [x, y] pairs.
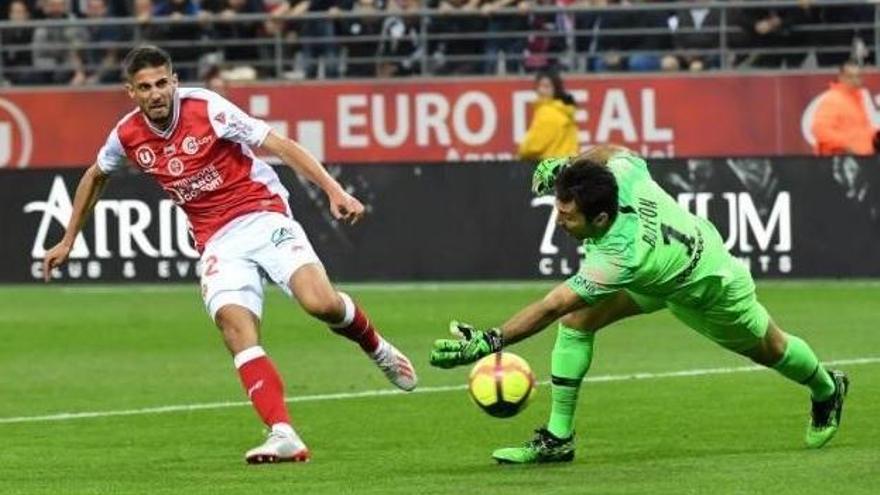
{"points": [[537, 316], [473, 344]]}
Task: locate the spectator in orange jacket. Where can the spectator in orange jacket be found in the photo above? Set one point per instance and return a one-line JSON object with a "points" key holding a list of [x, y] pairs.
{"points": [[841, 124]]}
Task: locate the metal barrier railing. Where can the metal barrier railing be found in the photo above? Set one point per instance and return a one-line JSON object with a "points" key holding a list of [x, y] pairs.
{"points": [[419, 42]]}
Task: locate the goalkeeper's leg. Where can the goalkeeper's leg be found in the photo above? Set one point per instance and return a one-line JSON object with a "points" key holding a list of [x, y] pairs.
{"points": [[794, 359], [571, 358], [737, 321]]}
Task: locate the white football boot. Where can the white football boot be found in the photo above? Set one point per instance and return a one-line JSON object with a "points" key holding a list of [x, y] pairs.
{"points": [[396, 366], [281, 445]]}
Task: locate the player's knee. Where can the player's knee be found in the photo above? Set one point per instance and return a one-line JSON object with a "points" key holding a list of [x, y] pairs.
{"points": [[239, 330], [584, 320], [325, 307], [775, 343], [769, 350]]}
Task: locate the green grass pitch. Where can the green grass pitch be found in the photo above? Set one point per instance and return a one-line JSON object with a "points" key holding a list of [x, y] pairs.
{"points": [[70, 349]]}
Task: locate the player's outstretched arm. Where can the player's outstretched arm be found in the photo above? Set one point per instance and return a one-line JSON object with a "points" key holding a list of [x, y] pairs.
{"points": [[473, 344], [90, 187], [343, 206], [537, 316]]}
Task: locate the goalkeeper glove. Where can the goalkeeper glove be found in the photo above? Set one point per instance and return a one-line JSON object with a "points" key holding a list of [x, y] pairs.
{"points": [[471, 345], [544, 177]]}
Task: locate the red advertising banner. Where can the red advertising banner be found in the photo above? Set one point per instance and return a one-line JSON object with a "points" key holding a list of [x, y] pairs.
{"points": [[451, 120]]}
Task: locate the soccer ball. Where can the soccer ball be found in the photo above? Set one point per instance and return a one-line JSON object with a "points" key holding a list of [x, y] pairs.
{"points": [[502, 384]]}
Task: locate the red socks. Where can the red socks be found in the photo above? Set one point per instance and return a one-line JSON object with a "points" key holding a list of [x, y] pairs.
{"points": [[262, 382], [356, 326], [263, 385]]}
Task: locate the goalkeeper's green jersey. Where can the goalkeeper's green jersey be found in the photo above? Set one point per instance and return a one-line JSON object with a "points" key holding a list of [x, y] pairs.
{"points": [[654, 247]]}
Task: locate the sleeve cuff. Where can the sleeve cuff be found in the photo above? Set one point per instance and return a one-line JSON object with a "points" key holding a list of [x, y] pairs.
{"points": [[261, 134], [107, 169]]}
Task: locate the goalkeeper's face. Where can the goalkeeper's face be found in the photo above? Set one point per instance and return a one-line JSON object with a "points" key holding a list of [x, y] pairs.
{"points": [[570, 218]]}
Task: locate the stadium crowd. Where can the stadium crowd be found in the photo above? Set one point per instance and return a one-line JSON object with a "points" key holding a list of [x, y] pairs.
{"points": [[487, 37]]}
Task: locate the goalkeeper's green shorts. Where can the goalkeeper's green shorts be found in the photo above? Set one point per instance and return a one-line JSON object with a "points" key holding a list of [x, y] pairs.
{"points": [[724, 309]]}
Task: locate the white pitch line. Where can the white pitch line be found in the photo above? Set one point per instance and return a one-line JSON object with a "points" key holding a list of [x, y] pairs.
{"points": [[176, 288], [384, 392], [501, 285]]}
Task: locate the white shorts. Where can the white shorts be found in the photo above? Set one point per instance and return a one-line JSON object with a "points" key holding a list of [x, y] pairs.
{"points": [[244, 252]]}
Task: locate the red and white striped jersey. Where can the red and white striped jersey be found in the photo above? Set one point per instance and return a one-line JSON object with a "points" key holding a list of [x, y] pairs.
{"points": [[203, 160]]}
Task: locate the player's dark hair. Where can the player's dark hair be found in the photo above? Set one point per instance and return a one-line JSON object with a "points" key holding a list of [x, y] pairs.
{"points": [[144, 57], [592, 187]]}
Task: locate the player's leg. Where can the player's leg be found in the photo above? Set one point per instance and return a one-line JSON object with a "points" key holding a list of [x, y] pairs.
{"points": [[570, 361], [573, 351], [289, 259], [233, 295], [733, 318], [259, 377], [239, 328], [317, 296], [794, 359], [263, 385]]}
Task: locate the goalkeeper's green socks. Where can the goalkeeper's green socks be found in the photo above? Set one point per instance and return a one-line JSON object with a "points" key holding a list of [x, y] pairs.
{"points": [[571, 359], [799, 363]]}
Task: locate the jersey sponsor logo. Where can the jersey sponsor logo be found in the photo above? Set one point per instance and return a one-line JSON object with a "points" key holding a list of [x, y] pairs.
{"points": [[145, 157], [282, 235], [190, 145], [189, 188], [175, 166]]}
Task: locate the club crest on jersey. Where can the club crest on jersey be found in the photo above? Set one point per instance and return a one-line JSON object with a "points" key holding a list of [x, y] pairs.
{"points": [[282, 235], [190, 145], [169, 150], [175, 166], [145, 157]]}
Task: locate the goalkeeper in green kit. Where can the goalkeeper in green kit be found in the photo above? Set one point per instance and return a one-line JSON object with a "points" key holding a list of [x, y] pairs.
{"points": [[643, 252]]}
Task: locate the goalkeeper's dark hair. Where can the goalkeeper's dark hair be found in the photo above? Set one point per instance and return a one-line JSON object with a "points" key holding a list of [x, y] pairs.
{"points": [[144, 57], [592, 187]]}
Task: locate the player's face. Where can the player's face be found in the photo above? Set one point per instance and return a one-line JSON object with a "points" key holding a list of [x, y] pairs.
{"points": [[152, 88], [570, 218]]}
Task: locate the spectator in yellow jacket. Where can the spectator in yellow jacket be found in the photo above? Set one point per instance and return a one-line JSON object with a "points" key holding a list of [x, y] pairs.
{"points": [[553, 131], [841, 124]]}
